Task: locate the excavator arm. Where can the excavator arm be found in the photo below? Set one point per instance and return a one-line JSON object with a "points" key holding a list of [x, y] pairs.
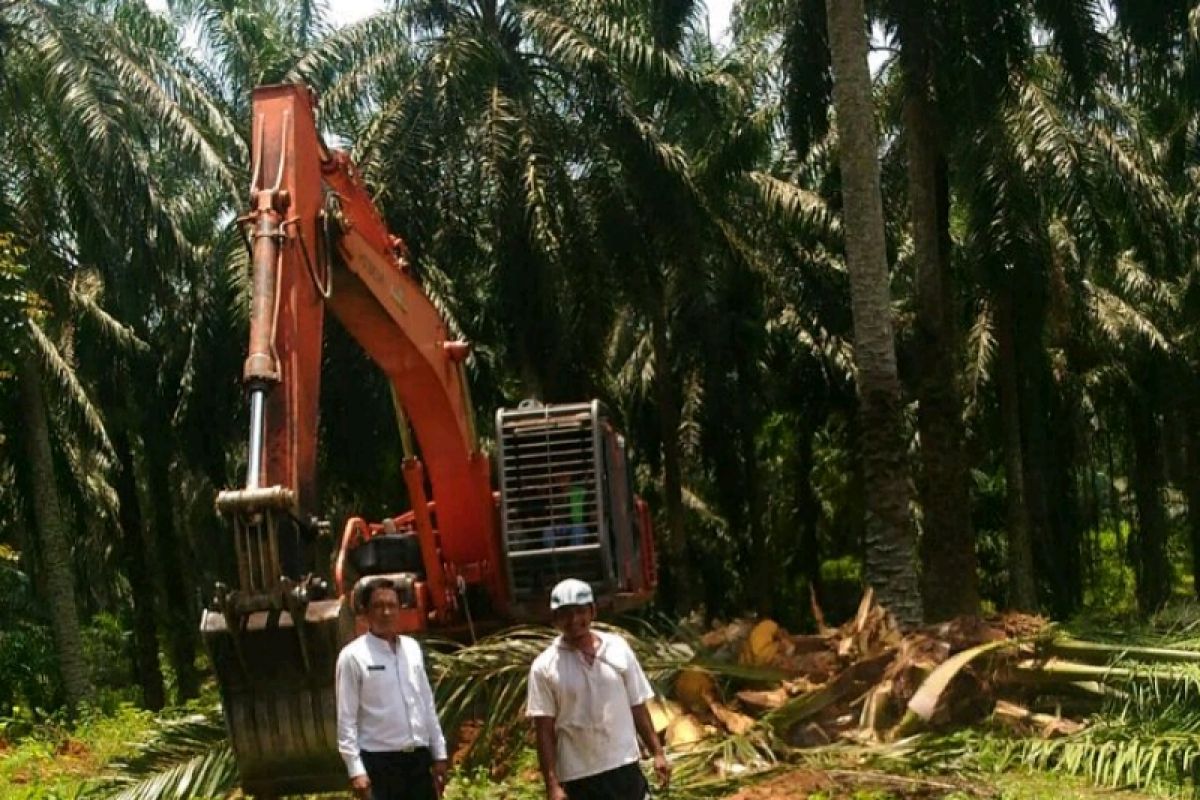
{"points": [[318, 243]]}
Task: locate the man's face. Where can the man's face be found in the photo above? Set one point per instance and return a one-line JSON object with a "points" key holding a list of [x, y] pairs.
{"points": [[574, 622], [383, 610]]}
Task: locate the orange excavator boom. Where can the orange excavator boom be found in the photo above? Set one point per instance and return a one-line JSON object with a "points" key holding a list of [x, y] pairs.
{"points": [[302, 191], [463, 552]]}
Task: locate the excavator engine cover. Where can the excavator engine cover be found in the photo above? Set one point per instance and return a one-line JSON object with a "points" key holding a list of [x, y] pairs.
{"points": [[277, 689]]}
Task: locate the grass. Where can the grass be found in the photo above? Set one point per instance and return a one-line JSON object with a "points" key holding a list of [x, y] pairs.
{"points": [[55, 764], [523, 782], [58, 762], [1028, 785], [804, 783]]}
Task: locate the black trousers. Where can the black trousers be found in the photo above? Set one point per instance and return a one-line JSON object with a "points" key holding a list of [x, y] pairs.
{"points": [[622, 783], [400, 776]]}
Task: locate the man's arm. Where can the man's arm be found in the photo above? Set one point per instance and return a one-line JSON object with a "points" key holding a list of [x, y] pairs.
{"points": [[645, 728], [541, 705], [547, 750], [437, 739], [348, 681], [639, 690]]}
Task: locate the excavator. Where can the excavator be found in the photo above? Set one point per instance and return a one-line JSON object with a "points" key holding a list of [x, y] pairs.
{"points": [[474, 551]]}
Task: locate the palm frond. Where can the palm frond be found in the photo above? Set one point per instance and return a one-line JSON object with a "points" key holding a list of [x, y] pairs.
{"points": [[1120, 320], [599, 42], [981, 349], [796, 206], [69, 389], [113, 329], [186, 758], [715, 766], [631, 354], [485, 684], [172, 98], [90, 471]]}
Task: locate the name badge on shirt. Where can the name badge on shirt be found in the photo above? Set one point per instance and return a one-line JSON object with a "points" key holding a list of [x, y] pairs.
{"points": [[376, 667]]}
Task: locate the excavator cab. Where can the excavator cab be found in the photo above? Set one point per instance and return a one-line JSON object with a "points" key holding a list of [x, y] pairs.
{"points": [[567, 507]]}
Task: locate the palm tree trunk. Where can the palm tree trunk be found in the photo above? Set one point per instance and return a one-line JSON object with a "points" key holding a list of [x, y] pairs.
{"points": [[1035, 457], [1192, 488], [1151, 567], [173, 552], [1022, 593], [137, 572], [890, 563], [808, 511], [950, 583], [667, 396], [52, 532], [763, 557], [1060, 428], [133, 545]]}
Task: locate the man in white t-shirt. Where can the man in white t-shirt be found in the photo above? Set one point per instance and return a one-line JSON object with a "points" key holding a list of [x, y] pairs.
{"points": [[587, 698]]}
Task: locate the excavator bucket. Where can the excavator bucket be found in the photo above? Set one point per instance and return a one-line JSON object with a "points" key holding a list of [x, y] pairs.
{"points": [[277, 688]]}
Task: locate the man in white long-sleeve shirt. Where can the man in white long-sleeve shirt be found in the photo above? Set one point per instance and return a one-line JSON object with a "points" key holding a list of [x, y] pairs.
{"points": [[388, 729]]}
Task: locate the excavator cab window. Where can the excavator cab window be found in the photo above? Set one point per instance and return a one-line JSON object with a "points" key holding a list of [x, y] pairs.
{"points": [[567, 506]]}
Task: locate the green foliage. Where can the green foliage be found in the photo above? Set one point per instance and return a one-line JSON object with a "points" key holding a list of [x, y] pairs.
{"points": [[13, 301], [57, 761], [1110, 585], [31, 689], [520, 781], [29, 685], [107, 643], [181, 757]]}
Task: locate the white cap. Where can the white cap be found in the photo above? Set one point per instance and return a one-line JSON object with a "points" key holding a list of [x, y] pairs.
{"points": [[571, 592]]}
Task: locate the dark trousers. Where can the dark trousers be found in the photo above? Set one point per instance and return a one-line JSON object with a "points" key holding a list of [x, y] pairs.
{"points": [[622, 783], [400, 776]]}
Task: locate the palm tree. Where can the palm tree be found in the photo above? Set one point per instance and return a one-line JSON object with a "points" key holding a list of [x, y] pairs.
{"points": [[890, 562], [528, 158], [96, 89], [947, 538]]}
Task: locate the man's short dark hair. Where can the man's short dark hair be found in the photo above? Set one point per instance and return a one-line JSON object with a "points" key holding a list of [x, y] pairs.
{"points": [[368, 589]]}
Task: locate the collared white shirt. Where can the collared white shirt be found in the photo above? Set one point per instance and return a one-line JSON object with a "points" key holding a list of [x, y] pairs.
{"points": [[590, 704], [384, 701]]}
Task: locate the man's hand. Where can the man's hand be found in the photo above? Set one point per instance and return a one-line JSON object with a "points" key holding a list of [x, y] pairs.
{"points": [[662, 768], [440, 769], [556, 792], [361, 786]]}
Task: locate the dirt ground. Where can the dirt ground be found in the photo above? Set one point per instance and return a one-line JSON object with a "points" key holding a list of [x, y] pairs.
{"points": [[802, 784], [809, 784]]}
